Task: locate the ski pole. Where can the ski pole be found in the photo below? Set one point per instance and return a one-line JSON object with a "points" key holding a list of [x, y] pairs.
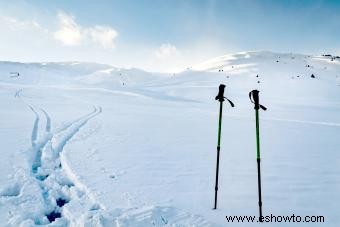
{"points": [[220, 97], [255, 100]]}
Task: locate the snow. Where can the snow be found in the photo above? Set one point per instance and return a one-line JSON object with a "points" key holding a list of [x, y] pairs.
{"points": [[104, 146]]}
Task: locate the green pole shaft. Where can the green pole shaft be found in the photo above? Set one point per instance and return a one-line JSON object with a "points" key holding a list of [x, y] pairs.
{"points": [[220, 126], [258, 159], [257, 134], [218, 153]]}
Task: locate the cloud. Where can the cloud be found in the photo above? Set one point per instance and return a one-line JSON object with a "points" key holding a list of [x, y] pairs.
{"points": [[103, 36], [166, 50], [15, 24], [70, 33]]}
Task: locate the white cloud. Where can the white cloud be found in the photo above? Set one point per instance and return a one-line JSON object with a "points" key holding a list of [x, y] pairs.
{"points": [[72, 34], [103, 36], [69, 32], [166, 50]]}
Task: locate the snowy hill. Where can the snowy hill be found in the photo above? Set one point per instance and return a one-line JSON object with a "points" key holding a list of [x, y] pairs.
{"points": [[75, 73], [86, 144], [46, 73]]}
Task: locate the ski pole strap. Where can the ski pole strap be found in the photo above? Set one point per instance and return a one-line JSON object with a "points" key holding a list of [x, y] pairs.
{"points": [[254, 98], [220, 96], [230, 102]]}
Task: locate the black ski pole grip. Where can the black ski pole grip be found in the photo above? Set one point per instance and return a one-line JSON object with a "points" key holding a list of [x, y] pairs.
{"points": [[255, 100], [220, 95], [255, 95]]}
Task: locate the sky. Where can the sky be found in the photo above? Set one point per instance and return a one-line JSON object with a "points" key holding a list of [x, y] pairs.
{"points": [[163, 35]]}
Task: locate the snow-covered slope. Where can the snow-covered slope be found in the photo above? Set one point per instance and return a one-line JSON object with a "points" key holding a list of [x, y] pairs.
{"points": [[46, 73], [72, 73], [85, 144]]}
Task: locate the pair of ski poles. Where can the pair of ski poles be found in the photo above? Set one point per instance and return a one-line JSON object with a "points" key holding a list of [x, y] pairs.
{"points": [[254, 98]]}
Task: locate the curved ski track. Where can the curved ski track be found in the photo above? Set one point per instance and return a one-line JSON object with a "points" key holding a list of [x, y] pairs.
{"points": [[55, 181]]}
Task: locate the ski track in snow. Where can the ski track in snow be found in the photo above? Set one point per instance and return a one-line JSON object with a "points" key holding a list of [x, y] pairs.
{"points": [[56, 182], [34, 135], [42, 172], [48, 121]]}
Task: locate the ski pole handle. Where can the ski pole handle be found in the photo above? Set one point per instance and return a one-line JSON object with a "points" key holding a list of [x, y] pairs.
{"points": [[255, 100], [220, 96]]}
